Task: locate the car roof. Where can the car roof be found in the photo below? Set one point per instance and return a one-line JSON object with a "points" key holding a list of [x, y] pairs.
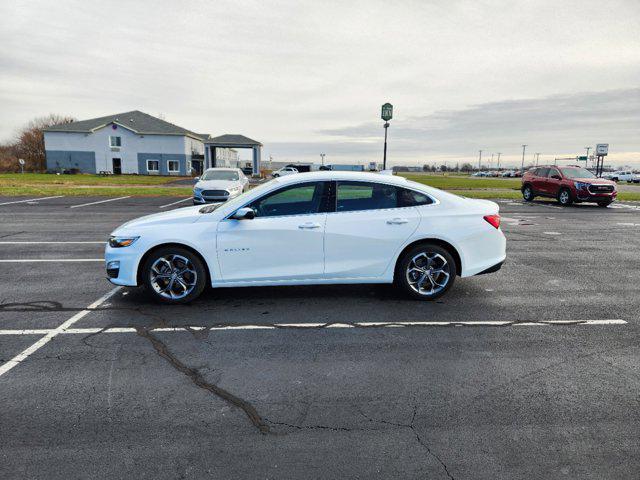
{"points": [[342, 175]]}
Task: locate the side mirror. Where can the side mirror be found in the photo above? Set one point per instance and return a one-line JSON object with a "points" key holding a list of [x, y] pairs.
{"points": [[244, 213], [556, 177], [197, 179]]}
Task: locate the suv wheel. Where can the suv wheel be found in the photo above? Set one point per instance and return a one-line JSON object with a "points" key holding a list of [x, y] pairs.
{"points": [[173, 275], [426, 272], [564, 197], [527, 193]]}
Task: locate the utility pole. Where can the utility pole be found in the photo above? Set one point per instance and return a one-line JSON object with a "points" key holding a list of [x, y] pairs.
{"points": [[480, 161], [524, 147], [322, 157], [491, 161], [499, 160], [537, 157]]}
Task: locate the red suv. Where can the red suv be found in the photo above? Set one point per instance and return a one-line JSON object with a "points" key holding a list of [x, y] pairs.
{"points": [[567, 184]]}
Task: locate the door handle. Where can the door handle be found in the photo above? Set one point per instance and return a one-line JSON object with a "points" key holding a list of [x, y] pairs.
{"points": [[309, 226], [397, 221]]}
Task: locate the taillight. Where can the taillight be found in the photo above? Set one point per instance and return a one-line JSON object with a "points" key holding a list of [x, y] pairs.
{"points": [[494, 220]]}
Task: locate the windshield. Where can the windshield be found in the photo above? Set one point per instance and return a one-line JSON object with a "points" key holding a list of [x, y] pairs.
{"points": [[576, 172], [220, 175], [239, 200]]}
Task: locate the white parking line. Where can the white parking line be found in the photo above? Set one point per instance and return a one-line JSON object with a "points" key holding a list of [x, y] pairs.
{"points": [[100, 201], [22, 356], [18, 242], [311, 326], [30, 260], [31, 200], [174, 203]]}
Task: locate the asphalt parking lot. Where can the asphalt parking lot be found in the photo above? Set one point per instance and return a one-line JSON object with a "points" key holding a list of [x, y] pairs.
{"points": [[532, 372]]}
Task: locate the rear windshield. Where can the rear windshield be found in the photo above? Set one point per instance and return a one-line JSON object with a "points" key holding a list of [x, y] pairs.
{"points": [[576, 172]]}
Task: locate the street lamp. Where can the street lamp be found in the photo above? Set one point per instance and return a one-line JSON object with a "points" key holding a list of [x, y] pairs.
{"points": [[386, 115], [322, 157], [480, 161], [499, 160], [537, 157], [524, 147]]}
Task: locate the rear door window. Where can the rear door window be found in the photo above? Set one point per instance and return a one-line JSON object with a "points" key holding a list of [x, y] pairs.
{"points": [[542, 172], [355, 196]]}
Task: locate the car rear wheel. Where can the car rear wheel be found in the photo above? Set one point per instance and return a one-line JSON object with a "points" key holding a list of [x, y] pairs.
{"points": [[564, 197], [527, 193], [174, 275], [426, 272]]}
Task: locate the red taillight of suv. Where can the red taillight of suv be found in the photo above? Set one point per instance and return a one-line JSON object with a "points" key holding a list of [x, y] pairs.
{"points": [[494, 220]]}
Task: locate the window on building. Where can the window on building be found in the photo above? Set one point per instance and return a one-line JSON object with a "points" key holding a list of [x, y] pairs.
{"points": [[115, 141], [173, 166], [153, 165]]}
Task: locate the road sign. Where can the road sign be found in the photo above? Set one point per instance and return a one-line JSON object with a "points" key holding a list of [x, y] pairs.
{"points": [[582, 158], [21, 161], [602, 149], [387, 112]]}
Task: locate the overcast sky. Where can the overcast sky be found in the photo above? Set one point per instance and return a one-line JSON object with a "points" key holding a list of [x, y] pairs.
{"points": [[306, 77]]}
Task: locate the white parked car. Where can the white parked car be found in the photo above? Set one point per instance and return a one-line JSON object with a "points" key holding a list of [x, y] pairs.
{"points": [[623, 176], [219, 185], [284, 171], [313, 228]]}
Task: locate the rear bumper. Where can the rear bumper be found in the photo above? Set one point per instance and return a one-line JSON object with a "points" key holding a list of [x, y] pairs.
{"points": [[492, 269]]}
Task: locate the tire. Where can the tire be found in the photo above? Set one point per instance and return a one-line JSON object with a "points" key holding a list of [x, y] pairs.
{"points": [[605, 204], [275, 175], [412, 277], [162, 281], [564, 197], [527, 193]]}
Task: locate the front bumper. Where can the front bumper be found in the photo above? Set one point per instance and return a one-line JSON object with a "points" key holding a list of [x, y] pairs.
{"points": [[587, 196], [199, 199], [126, 259]]}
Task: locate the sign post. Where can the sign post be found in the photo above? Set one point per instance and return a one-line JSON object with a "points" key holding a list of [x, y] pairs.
{"points": [[602, 150], [386, 115], [21, 162]]}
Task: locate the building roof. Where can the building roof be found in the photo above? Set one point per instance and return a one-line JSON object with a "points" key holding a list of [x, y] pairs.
{"points": [[136, 121], [232, 140]]}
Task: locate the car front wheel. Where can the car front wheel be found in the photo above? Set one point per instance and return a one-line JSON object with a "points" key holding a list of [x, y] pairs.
{"points": [[426, 272], [564, 197], [174, 275]]}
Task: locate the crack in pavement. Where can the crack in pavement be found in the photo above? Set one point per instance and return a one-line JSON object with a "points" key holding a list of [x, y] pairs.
{"points": [[196, 377], [411, 426]]}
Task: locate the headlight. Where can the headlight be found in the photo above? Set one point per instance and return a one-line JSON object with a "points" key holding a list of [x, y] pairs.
{"points": [[581, 185], [119, 242], [234, 189]]}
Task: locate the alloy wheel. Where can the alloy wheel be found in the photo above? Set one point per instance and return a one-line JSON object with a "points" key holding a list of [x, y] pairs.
{"points": [[428, 273], [173, 276]]}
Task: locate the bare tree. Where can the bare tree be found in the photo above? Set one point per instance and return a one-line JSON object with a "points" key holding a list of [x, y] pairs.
{"points": [[30, 139]]}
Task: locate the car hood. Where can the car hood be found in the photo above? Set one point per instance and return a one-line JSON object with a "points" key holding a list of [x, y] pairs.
{"points": [[177, 216], [594, 180], [217, 184]]}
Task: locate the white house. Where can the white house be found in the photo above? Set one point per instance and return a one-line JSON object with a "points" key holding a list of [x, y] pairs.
{"points": [[130, 142]]}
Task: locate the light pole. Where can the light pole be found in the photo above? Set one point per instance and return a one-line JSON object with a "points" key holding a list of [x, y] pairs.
{"points": [[322, 157], [524, 147], [491, 161], [537, 157], [480, 161], [499, 153], [587, 162], [386, 115]]}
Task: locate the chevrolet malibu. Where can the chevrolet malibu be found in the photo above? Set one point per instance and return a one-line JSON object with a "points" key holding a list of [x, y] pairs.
{"points": [[312, 228]]}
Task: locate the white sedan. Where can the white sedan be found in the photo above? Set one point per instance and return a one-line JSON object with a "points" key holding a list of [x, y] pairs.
{"points": [[219, 185], [313, 228], [284, 171]]}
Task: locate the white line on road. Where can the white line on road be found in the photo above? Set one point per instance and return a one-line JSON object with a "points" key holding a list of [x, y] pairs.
{"points": [[552, 233], [100, 201], [51, 334], [42, 260], [26, 242], [311, 326], [31, 200], [174, 203]]}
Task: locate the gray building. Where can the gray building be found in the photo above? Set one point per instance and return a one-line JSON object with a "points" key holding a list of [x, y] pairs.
{"points": [[130, 142]]}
